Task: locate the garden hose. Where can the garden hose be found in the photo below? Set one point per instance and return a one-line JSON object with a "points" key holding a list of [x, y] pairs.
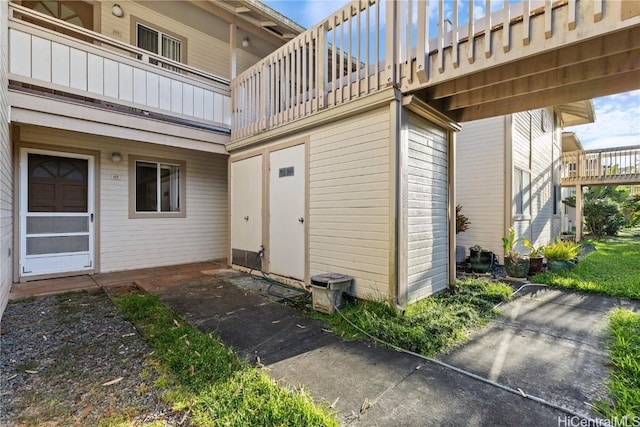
{"points": [[258, 266], [588, 420]]}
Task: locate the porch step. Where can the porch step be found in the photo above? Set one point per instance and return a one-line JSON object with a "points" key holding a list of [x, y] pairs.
{"points": [[39, 288], [146, 278]]}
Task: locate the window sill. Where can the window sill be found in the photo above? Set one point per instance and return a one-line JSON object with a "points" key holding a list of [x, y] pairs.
{"points": [[157, 215], [518, 217]]}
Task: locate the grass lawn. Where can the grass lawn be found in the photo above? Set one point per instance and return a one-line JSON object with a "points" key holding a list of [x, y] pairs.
{"points": [[613, 269], [430, 326], [208, 380], [624, 379]]}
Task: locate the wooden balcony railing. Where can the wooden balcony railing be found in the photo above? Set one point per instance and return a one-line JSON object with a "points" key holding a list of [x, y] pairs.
{"points": [[93, 66], [606, 166], [410, 44]]}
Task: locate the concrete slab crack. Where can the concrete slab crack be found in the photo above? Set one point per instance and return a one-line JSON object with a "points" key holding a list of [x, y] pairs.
{"points": [[367, 404], [519, 328]]}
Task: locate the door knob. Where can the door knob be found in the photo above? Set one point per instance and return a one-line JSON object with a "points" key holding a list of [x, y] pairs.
{"points": [[301, 220], [246, 218]]}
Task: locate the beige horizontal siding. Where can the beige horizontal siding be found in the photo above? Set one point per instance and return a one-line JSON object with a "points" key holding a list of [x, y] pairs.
{"points": [[349, 201], [203, 51], [6, 172], [480, 182], [427, 209], [136, 243], [244, 60]]}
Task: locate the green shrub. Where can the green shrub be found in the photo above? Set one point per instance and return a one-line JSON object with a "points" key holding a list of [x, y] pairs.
{"points": [[561, 250], [631, 210], [603, 217]]}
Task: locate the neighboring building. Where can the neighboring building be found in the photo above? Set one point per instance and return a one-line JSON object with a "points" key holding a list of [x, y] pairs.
{"points": [[116, 139], [570, 143], [508, 175]]}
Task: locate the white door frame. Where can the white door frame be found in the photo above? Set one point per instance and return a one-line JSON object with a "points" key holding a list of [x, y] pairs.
{"points": [[89, 258]]}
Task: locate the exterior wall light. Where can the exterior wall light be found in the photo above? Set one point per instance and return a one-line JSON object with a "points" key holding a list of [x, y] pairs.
{"points": [[117, 11], [116, 157], [245, 42]]}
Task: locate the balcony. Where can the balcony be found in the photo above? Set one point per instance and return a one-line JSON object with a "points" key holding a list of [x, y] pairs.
{"points": [[526, 55], [52, 58], [614, 166]]}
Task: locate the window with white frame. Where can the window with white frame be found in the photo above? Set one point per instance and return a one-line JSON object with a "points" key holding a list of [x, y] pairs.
{"points": [[522, 192], [157, 187], [158, 42]]}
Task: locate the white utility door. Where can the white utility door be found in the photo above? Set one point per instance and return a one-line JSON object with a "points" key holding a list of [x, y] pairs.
{"points": [[286, 212], [246, 204], [56, 212]]}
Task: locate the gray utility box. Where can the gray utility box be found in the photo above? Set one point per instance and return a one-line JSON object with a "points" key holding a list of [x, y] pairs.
{"points": [[327, 289]]}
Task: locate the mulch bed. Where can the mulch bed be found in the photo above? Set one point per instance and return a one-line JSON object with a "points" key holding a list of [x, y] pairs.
{"points": [[73, 360]]}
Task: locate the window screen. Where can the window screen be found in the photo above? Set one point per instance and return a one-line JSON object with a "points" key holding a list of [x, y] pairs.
{"points": [[157, 187]]}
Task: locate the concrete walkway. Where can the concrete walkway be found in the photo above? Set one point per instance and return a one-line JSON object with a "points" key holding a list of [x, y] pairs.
{"points": [[548, 343]]}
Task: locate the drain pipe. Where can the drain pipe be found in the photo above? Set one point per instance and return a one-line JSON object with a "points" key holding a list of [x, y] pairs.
{"points": [[399, 138]]}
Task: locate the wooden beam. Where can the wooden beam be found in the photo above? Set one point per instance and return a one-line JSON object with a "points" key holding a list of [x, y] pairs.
{"points": [[596, 69], [574, 54], [609, 85]]}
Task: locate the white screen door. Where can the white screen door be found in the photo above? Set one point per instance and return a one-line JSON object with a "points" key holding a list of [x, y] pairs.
{"points": [[286, 212], [56, 212]]}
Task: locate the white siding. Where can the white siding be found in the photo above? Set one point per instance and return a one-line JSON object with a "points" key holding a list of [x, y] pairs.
{"points": [[427, 209], [542, 162], [557, 221], [480, 182], [6, 171], [522, 144], [349, 229], [534, 151], [138, 243]]}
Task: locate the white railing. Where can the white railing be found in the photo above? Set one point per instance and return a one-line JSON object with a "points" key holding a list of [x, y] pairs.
{"points": [[410, 44], [97, 67], [601, 166]]}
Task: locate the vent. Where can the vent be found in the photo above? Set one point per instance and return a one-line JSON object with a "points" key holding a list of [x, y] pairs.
{"points": [[288, 171]]}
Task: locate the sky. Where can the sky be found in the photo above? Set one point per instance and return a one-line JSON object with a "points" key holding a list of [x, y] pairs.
{"points": [[617, 122], [617, 116]]}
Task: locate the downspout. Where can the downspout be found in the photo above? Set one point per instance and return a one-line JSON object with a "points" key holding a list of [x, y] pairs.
{"points": [[396, 141], [451, 196], [508, 175]]}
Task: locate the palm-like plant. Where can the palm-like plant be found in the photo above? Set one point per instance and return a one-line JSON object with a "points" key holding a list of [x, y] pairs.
{"points": [[509, 244]]}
